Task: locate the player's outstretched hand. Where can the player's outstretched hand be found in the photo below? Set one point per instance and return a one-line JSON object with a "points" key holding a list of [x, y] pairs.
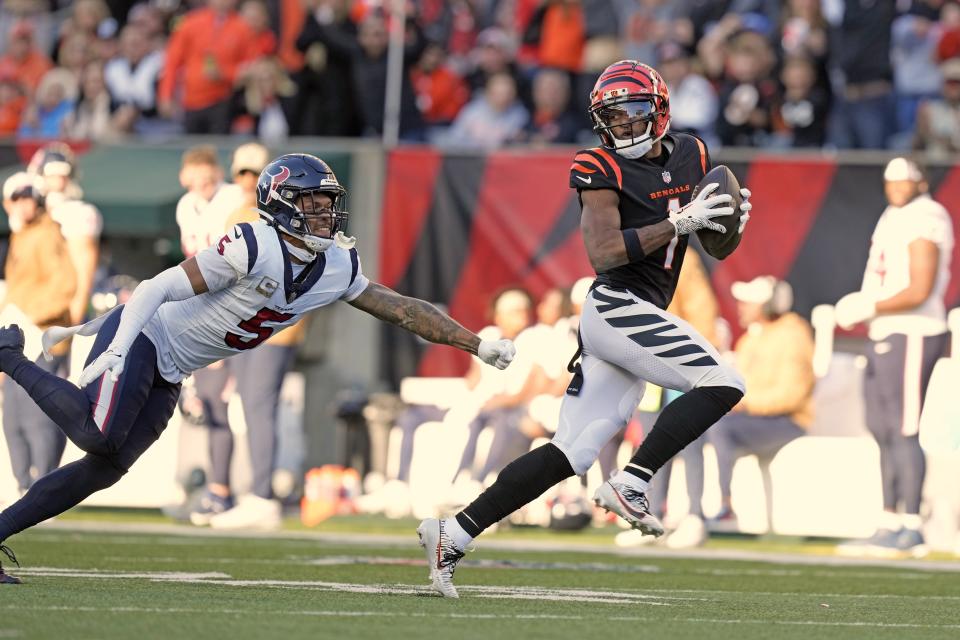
{"points": [[853, 309], [497, 353], [745, 208], [109, 360], [698, 213]]}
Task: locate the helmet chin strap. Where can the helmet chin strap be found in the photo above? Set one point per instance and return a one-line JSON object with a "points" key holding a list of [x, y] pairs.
{"points": [[633, 150]]}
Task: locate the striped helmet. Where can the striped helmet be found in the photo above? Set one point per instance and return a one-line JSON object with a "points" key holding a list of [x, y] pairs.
{"points": [[628, 93]]}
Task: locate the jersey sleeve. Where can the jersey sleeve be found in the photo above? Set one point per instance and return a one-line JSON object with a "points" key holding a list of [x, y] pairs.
{"points": [[934, 225], [232, 258], [358, 281], [595, 169]]}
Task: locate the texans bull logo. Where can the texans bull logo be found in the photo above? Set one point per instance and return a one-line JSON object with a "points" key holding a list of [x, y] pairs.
{"points": [[275, 181]]}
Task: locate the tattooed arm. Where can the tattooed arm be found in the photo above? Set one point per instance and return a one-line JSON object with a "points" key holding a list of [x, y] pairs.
{"points": [[416, 315]]}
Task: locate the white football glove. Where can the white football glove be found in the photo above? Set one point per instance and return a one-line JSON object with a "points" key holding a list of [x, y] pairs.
{"points": [[745, 208], [697, 213], [497, 353], [109, 361], [853, 309]]}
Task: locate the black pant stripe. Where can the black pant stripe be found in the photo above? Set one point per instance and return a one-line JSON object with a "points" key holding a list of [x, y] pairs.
{"points": [[705, 361], [652, 337], [683, 350], [641, 320]]}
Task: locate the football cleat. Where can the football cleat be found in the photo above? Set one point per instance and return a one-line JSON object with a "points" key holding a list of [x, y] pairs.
{"points": [[210, 505], [910, 542], [6, 578], [442, 556], [11, 337], [251, 512], [630, 504]]}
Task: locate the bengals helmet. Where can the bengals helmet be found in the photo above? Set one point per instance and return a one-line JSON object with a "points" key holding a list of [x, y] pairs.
{"points": [[628, 93]]}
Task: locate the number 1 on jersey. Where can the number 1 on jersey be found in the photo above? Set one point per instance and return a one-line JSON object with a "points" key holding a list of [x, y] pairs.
{"points": [[673, 204]]}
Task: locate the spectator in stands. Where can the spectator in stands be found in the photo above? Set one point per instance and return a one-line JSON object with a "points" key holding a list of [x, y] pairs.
{"points": [[254, 13], [94, 116], [80, 222], [803, 31], [558, 29], [324, 107], [860, 72], [75, 52], [441, 92], [775, 356], [40, 283], [367, 52], [131, 77], [494, 54], [801, 108], [492, 119], [648, 23], [693, 101], [86, 18], [22, 61], [202, 177], [203, 57], [938, 120], [13, 102], [916, 76], [949, 44], [55, 98], [695, 302], [902, 300], [747, 91], [150, 20], [552, 122], [266, 98]]}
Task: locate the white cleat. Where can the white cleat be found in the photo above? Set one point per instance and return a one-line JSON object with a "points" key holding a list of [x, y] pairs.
{"points": [[629, 504], [251, 512], [442, 556]]}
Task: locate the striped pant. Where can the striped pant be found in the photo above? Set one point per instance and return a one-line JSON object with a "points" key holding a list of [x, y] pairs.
{"points": [[628, 342]]}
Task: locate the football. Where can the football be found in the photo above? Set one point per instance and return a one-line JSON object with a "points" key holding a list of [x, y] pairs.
{"points": [[720, 245]]}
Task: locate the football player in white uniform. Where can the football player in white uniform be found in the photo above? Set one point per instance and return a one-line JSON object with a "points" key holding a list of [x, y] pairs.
{"points": [[902, 300], [257, 279]]}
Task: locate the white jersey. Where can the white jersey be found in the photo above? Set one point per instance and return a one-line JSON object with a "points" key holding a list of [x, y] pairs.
{"points": [[198, 228], [254, 292], [77, 219], [888, 268]]}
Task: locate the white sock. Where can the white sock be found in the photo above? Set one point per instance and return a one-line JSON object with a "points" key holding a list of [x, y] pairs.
{"points": [[622, 477], [911, 521], [461, 539], [890, 520]]}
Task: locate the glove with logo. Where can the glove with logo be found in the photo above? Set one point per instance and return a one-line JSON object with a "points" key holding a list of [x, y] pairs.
{"points": [[698, 213]]}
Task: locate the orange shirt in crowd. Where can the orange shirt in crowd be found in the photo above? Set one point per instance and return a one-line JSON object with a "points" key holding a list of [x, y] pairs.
{"points": [[440, 94], [205, 42], [28, 71], [10, 114], [562, 37], [292, 16]]}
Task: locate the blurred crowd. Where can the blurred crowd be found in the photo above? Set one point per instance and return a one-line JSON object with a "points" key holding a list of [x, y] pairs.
{"points": [[482, 73]]}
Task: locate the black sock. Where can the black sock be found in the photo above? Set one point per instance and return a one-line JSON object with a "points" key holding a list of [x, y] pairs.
{"points": [[681, 422], [65, 403], [56, 492], [521, 481]]}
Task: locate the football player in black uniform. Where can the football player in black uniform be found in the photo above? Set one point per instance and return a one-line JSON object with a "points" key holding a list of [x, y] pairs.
{"points": [[635, 191]]}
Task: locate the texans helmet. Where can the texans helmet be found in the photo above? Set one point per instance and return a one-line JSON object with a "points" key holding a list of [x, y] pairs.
{"points": [[281, 185], [626, 93]]}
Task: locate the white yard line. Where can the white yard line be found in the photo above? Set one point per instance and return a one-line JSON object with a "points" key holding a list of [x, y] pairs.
{"points": [[185, 535], [466, 616]]}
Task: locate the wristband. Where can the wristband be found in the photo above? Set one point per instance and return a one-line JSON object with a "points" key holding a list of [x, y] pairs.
{"points": [[632, 241]]}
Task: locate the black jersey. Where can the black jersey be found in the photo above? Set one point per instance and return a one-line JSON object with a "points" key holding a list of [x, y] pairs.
{"points": [[648, 191]]}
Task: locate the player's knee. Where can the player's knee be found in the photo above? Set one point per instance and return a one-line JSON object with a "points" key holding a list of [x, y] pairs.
{"points": [[582, 451], [723, 375], [100, 472]]}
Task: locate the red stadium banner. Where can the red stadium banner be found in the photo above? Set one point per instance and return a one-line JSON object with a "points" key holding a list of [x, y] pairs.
{"points": [[457, 228]]}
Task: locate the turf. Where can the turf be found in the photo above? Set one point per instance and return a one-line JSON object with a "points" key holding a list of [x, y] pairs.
{"points": [[128, 584]]}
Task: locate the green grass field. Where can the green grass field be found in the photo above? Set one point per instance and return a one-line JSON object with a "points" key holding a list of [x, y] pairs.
{"points": [[144, 580]]}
